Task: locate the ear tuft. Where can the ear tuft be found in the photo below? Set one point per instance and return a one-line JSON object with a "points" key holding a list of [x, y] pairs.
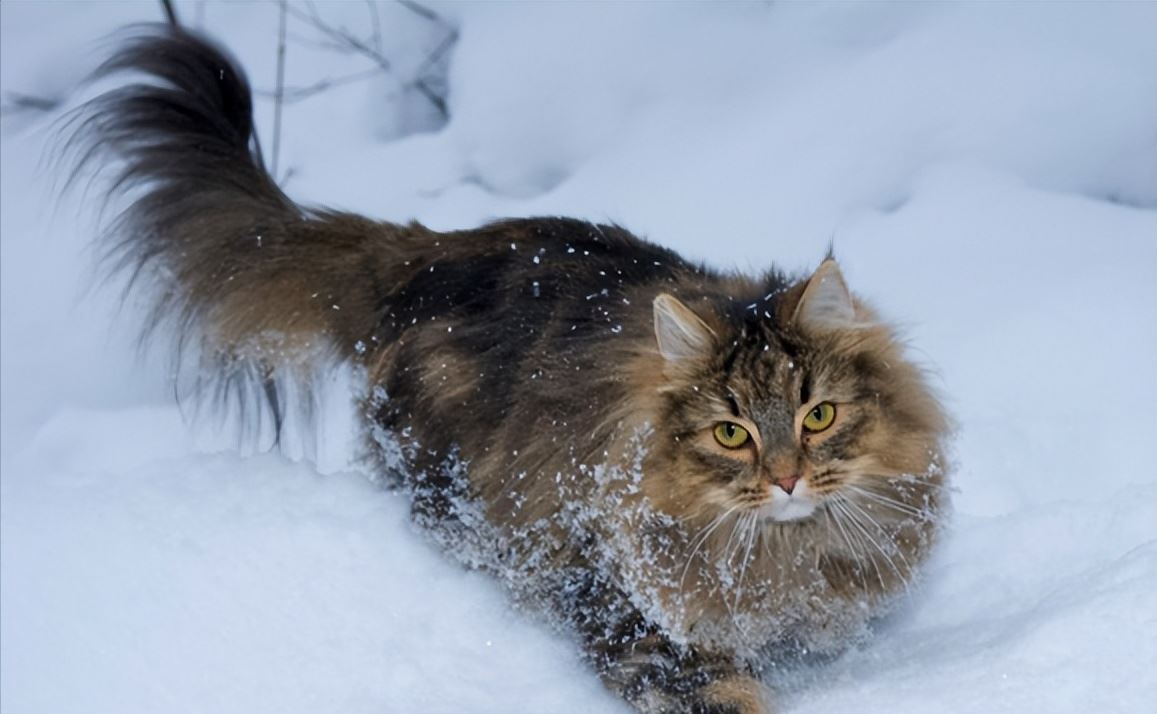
{"points": [[680, 332], [826, 303]]}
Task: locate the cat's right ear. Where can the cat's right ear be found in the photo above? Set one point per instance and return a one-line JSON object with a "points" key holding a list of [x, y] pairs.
{"points": [[826, 302], [681, 334]]}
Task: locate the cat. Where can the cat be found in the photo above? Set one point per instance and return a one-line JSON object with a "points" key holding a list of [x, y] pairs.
{"points": [[690, 472]]}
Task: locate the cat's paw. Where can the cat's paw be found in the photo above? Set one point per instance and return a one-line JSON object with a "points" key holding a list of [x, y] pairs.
{"points": [[734, 695]]}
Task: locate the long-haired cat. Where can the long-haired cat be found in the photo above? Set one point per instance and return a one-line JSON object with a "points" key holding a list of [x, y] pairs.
{"points": [[689, 470]]}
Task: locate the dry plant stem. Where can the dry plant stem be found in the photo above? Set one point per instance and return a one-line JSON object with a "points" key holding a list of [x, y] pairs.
{"points": [[170, 13], [16, 102], [376, 23], [279, 93], [292, 95], [343, 40]]}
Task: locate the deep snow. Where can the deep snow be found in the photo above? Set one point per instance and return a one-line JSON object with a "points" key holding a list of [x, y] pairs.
{"points": [[987, 173]]}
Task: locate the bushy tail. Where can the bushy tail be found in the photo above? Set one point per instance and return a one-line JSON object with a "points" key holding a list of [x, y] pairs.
{"points": [[232, 265]]}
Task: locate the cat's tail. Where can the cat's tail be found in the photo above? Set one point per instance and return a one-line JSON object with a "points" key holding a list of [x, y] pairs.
{"points": [[230, 264]]}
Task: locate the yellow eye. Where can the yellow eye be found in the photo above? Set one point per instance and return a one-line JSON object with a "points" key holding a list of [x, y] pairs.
{"points": [[730, 435], [820, 417]]}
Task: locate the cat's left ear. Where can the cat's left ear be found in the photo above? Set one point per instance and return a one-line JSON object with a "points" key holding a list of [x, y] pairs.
{"points": [[826, 303], [680, 332]]}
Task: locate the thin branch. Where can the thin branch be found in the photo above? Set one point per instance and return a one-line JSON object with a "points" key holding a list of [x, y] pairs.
{"points": [[16, 102], [376, 23], [342, 39], [170, 12], [279, 93], [443, 47], [291, 95], [431, 96], [436, 98], [422, 10], [297, 38]]}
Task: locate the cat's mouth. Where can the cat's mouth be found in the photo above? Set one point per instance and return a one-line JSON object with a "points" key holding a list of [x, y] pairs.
{"points": [[783, 506], [788, 508]]}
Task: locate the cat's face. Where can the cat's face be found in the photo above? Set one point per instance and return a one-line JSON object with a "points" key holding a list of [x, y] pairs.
{"points": [[785, 417]]}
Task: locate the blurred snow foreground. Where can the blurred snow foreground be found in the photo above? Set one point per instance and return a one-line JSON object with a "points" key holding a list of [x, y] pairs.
{"points": [[988, 174]]}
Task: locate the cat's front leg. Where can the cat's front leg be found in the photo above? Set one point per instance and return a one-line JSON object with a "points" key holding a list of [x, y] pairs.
{"points": [[657, 677], [737, 694]]}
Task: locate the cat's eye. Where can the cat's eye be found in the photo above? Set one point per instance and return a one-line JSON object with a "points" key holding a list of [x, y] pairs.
{"points": [[730, 435], [820, 417]]}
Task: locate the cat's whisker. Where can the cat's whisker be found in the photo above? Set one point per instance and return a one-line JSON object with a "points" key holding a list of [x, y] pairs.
{"points": [[766, 535], [702, 538], [833, 519], [880, 529], [706, 530], [915, 481], [833, 513], [727, 547], [735, 547], [747, 529], [751, 532], [856, 522], [737, 577], [893, 503], [728, 582], [890, 502], [858, 533]]}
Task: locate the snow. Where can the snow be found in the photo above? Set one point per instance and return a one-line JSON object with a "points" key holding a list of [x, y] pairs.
{"points": [[987, 174]]}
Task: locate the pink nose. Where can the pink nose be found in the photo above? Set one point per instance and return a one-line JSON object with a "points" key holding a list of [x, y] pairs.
{"points": [[787, 483]]}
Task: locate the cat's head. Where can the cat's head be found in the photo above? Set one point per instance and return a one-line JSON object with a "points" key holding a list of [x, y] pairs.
{"points": [[790, 407]]}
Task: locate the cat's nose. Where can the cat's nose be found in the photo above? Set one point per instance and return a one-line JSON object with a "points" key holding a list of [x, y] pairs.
{"points": [[787, 483]]}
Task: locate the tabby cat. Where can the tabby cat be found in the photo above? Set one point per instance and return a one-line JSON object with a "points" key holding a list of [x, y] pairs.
{"points": [[692, 471]]}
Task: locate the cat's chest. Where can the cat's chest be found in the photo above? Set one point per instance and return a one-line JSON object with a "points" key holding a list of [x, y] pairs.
{"points": [[742, 602]]}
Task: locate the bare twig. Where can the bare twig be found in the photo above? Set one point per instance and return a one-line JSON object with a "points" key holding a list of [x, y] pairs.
{"points": [[343, 40], [439, 51], [432, 96], [420, 82], [422, 10], [291, 95], [279, 93], [170, 12], [437, 98], [376, 23], [16, 102], [339, 38]]}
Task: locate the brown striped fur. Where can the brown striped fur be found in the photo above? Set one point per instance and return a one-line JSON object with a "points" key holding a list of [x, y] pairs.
{"points": [[546, 391]]}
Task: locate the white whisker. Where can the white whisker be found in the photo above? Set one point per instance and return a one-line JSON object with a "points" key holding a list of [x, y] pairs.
{"points": [[855, 522], [835, 512], [840, 503], [880, 529], [701, 539], [890, 502]]}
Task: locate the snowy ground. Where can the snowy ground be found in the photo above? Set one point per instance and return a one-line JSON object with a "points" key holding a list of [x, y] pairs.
{"points": [[988, 174]]}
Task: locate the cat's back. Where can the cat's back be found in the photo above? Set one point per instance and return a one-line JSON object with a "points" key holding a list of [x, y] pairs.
{"points": [[512, 323], [566, 257], [507, 284]]}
